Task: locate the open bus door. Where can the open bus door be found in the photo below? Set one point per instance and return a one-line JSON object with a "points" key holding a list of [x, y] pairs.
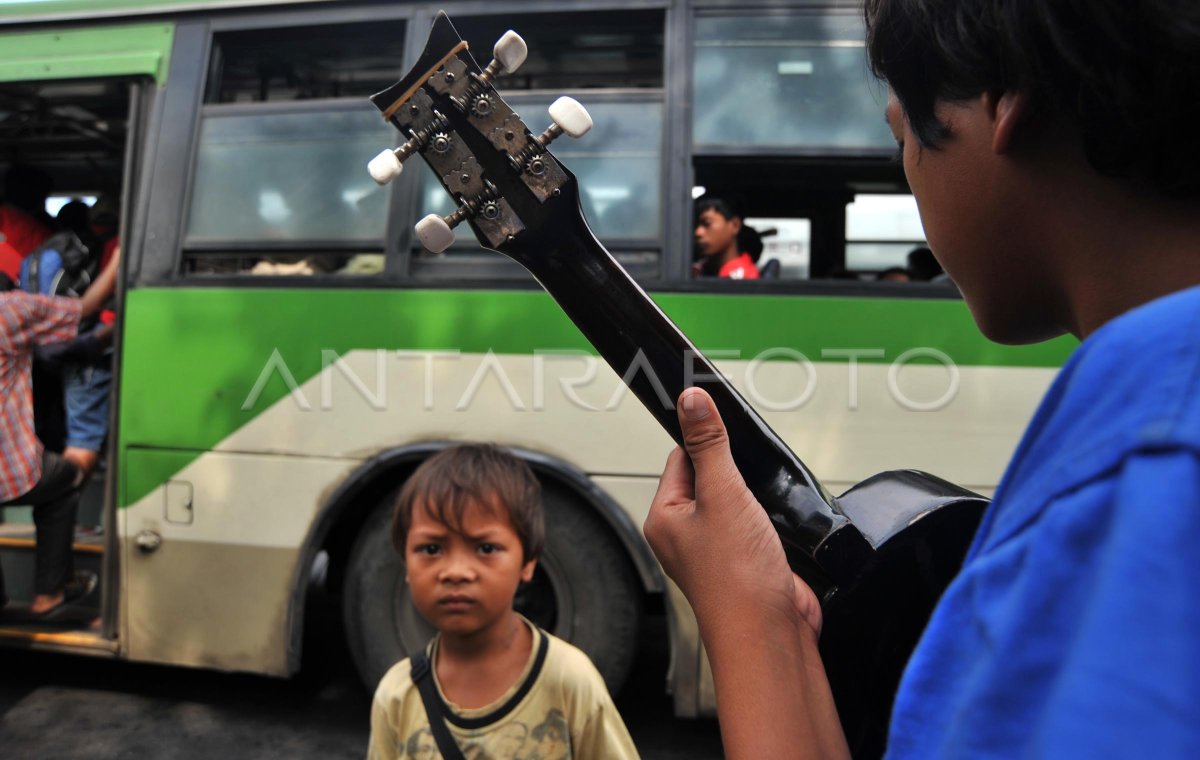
{"points": [[77, 112]]}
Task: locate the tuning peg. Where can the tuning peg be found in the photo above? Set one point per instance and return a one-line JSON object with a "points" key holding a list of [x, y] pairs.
{"points": [[385, 167], [507, 56], [570, 116], [436, 233], [389, 163]]}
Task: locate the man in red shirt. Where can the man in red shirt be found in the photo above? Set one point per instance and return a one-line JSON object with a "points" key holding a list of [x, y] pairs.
{"points": [[29, 474]]}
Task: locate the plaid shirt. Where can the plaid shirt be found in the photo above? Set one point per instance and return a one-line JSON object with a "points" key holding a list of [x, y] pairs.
{"points": [[25, 321]]}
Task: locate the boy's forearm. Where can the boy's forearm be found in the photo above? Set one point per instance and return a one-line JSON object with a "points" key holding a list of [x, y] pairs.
{"points": [[100, 290], [773, 697], [104, 336]]}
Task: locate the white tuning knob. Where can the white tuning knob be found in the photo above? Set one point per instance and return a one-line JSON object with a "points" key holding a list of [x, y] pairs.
{"points": [[385, 167], [434, 233], [510, 51], [570, 116]]}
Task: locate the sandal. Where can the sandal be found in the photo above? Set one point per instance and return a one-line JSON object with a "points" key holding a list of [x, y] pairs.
{"points": [[83, 583]]}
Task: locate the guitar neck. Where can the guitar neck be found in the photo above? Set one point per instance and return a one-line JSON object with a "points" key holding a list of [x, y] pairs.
{"points": [[658, 362]]}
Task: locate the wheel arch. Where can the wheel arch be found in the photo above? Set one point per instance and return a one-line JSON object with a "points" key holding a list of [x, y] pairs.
{"points": [[347, 506]]}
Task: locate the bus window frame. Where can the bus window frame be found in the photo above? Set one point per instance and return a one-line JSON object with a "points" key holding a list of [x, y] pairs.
{"points": [[169, 162], [173, 177], [189, 83], [867, 164], [398, 245]]}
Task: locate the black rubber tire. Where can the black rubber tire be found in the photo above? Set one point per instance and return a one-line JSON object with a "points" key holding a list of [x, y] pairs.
{"points": [[584, 591]]}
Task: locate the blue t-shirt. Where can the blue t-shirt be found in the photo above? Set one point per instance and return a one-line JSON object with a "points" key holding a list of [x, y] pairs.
{"points": [[1073, 629]]}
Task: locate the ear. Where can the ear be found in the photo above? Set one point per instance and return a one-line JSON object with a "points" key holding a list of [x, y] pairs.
{"points": [[1008, 111], [527, 570]]}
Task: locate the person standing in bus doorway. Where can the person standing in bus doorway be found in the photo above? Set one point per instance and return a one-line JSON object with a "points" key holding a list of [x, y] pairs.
{"points": [[718, 241], [86, 363], [469, 525], [29, 474], [1050, 150]]}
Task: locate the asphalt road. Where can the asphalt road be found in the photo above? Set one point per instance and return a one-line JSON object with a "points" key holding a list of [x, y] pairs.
{"points": [[56, 707]]}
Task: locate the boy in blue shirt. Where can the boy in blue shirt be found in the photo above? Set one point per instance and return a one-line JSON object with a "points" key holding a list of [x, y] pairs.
{"points": [[1049, 150]]}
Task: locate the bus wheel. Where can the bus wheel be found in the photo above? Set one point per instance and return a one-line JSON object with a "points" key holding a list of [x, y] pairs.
{"points": [[584, 590]]}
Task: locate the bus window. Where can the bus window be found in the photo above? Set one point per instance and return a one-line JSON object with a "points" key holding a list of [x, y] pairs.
{"points": [[279, 188], [793, 81], [787, 121], [575, 50], [343, 61], [288, 177], [880, 232]]}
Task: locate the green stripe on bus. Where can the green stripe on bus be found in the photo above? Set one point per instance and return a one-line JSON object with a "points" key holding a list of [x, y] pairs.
{"points": [[108, 51], [192, 356], [38, 10]]}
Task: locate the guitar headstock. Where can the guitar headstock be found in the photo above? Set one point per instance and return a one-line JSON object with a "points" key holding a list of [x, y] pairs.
{"points": [[508, 187]]}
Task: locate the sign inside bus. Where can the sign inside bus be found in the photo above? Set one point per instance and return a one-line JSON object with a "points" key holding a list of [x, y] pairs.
{"points": [[878, 556]]}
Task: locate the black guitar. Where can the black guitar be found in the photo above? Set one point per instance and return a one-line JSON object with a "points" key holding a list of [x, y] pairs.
{"points": [[878, 556]]}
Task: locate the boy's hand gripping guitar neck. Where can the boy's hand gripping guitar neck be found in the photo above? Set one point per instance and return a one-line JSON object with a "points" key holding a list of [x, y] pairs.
{"points": [[878, 556]]}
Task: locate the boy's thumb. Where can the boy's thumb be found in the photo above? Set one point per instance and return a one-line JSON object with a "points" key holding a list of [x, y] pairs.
{"points": [[704, 435]]}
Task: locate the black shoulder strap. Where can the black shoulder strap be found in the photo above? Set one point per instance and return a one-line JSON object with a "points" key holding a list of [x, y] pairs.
{"points": [[33, 284], [422, 676]]}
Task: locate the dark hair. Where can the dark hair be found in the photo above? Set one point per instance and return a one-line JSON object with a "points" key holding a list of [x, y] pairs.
{"points": [[750, 242], [709, 267], [1121, 73], [720, 205], [473, 474], [922, 264]]}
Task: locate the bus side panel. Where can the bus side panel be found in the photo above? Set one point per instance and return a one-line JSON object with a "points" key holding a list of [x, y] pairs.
{"points": [[211, 554], [262, 401]]}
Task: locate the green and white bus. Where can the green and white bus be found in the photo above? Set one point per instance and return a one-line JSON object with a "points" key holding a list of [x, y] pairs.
{"points": [[287, 352]]}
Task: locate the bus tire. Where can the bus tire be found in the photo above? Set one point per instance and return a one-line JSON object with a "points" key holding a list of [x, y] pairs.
{"points": [[584, 590]]}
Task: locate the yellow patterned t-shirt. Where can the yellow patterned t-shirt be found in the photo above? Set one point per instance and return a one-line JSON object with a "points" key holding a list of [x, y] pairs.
{"points": [[566, 713]]}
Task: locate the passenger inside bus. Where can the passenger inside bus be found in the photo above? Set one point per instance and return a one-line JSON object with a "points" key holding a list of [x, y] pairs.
{"points": [[721, 243], [37, 476], [86, 362], [922, 266]]}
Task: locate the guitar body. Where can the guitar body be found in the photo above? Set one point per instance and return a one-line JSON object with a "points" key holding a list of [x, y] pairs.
{"points": [[878, 557], [921, 527]]}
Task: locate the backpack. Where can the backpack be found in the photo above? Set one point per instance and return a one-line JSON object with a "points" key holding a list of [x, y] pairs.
{"points": [[61, 266]]}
